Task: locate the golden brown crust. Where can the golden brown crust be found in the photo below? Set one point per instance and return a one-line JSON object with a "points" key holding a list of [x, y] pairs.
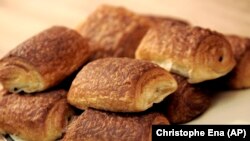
{"points": [[196, 53], [113, 32], [120, 84], [94, 125], [38, 117], [187, 102], [54, 53], [239, 45], [239, 77], [153, 20]]}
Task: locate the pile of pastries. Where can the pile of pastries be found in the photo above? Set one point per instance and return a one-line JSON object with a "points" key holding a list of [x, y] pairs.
{"points": [[114, 76]]}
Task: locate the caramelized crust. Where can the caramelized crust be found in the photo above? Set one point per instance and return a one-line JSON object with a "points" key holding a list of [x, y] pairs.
{"points": [[153, 20], [38, 117], [239, 45], [240, 76], [94, 125], [113, 32], [120, 84], [196, 53], [44, 60], [187, 102]]}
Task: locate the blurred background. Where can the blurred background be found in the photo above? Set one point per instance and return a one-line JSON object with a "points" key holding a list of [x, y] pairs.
{"points": [[21, 19]]}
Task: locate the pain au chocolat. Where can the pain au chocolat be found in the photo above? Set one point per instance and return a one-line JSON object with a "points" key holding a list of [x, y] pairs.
{"points": [[44, 60], [240, 76], [37, 117], [187, 102], [120, 85], [196, 53], [95, 125], [153, 20], [113, 32]]}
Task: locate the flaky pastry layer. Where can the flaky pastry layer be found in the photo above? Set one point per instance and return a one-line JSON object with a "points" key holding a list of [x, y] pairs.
{"points": [[113, 32], [38, 117], [121, 85], [94, 125], [196, 53], [44, 60]]}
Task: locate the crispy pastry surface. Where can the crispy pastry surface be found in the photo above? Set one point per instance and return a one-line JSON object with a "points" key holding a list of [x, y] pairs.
{"points": [[196, 53], [120, 84], [187, 102], [153, 20], [94, 125], [38, 117], [113, 32], [44, 60], [240, 76]]}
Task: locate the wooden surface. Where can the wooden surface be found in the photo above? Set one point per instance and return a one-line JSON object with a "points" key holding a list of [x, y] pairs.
{"points": [[20, 19]]}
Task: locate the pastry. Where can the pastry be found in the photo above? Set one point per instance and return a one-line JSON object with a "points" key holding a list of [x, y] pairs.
{"points": [[44, 60], [113, 32], [187, 102], [94, 125], [240, 76], [120, 85], [195, 53], [37, 117], [153, 20], [2, 91]]}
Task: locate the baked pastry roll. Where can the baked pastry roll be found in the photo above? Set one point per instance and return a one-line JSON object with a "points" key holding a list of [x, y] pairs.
{"points": [[113, 32], [44, 60], [38, 117], [187, 102], [153, 20], [94, 125], [240, 76], [120, 85], [196, 53]]}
